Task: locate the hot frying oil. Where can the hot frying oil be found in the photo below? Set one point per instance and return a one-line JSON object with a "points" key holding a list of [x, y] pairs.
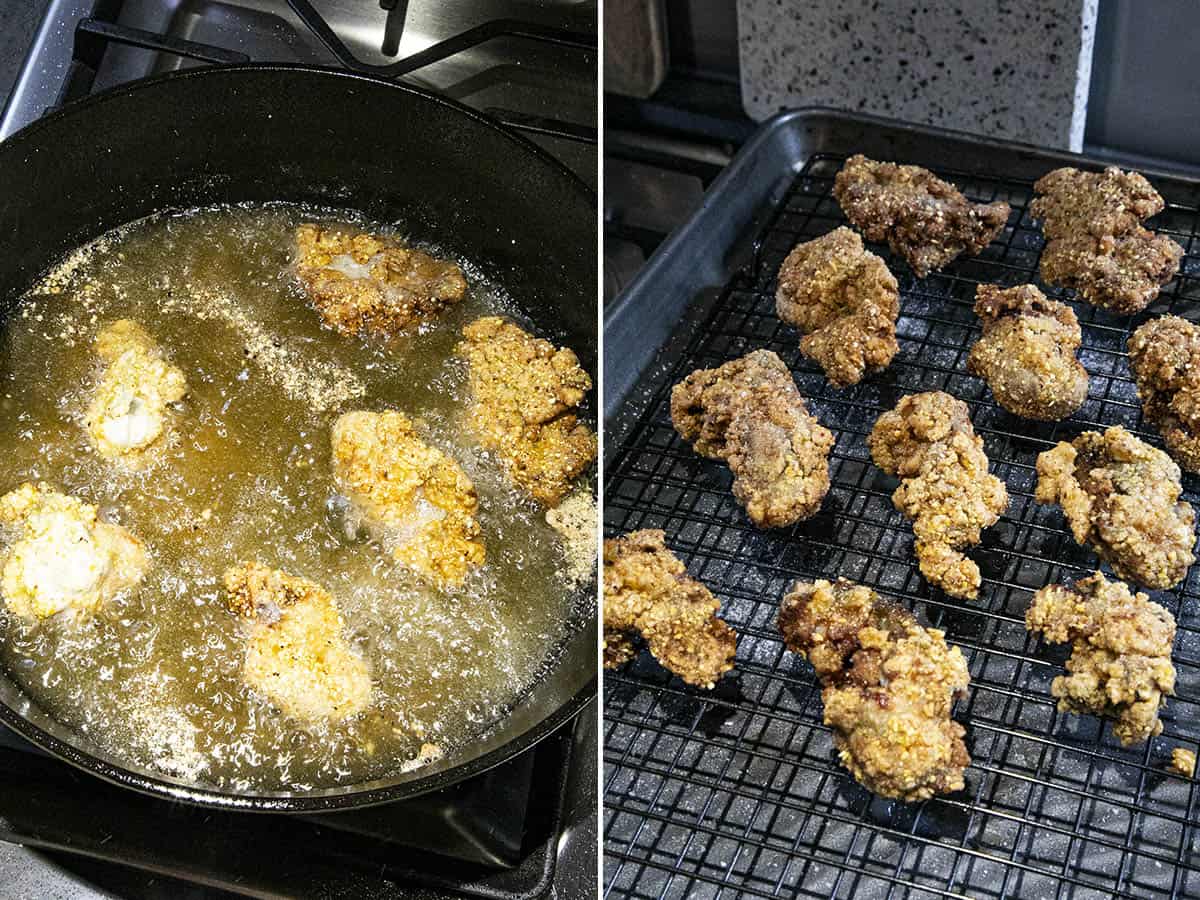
{"points": [[245, 475]]}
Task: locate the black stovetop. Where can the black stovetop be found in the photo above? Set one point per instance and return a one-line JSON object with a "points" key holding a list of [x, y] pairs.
{"points": [[527, 828]]}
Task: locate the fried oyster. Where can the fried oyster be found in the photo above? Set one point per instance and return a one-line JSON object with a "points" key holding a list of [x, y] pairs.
{"points": [[1027, 352], [366, 284], [924, 219], [1120, 665], [1121, 496], [416, 500], [296, 655], [1164, 355], [647, 591], [129, 409], [928, 442], [524, 396], [749, 413], [887, 684], [1095, 242], [844, 300], [61, 556]]}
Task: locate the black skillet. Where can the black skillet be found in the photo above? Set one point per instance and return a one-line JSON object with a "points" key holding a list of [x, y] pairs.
{"points": [[287, 133]]}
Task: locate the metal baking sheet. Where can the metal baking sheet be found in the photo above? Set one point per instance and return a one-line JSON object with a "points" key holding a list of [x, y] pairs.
{"points": [[738, 790]]}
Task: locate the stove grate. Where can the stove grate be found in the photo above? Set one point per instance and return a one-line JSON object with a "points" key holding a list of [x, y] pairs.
{"points": [[93, 33], [738, 790]]}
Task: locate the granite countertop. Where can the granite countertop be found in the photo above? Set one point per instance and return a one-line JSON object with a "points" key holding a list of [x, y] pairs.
{"points": [[1019, 70]]}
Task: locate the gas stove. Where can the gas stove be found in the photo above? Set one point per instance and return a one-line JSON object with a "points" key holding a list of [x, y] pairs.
{"points": [[660, 156], [525, 829], [529, 63]]}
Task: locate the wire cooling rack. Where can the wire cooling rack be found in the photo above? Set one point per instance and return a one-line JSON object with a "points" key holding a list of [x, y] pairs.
{"points": [[738, 790]]}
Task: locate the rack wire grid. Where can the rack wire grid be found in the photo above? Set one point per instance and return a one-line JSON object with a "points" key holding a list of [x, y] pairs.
{"points": [[738, 791]]}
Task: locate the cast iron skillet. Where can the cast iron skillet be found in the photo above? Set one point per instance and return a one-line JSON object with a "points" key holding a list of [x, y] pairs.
{"points": [[263, 133]]}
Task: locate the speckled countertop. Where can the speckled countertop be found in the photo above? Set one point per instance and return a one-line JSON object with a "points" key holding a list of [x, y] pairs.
{"points": [[1016, 69]]}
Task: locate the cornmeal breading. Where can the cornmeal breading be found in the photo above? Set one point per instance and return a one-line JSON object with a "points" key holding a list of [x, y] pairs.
{"points": [[888, 686], [1027, 352], [366, 284], [922, 218], [575, 521], [296, 655], [60, 556], [1164, 355], [750, 414], [524, 396], [1183, 761], [1120, 665], [647, 591], [929, 443], [1095, 242], [129, 409], [844, 300], [415, 499], [1121, 496]]}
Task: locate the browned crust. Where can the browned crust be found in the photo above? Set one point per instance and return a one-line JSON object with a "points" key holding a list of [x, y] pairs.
{"points": [[888, 687], [924, 219], [749, 413], [1095, 242], [1120, 665], [844, 301], [648, 592], [945, 488], [1027, 352]]}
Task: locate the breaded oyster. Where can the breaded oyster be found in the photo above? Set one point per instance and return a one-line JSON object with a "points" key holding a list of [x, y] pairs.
{"points": [[888, 684], [1095, 242], [648, 592], [1120, 665], [844, 301], [130, 406], [414, 499], [1027, 352], [928, 442], [60, 556], [1122, 496], [525, 395], [1164, 355], [750, 414], [297, 657], [367, 284], [922, 218]]}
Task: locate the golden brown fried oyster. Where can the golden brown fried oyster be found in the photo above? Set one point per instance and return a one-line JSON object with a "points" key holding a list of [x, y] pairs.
{"points": [[61, 556], [647, 591], [129, 409], [1121, 496], [844, 300], [922, 218], [750, 414], [888, 685], [366, 284], [525, 393], [1120, 665], [415, 499], [296, 655], [1164, 355], [1095, 242], [928, 442], [1027, 352]]}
